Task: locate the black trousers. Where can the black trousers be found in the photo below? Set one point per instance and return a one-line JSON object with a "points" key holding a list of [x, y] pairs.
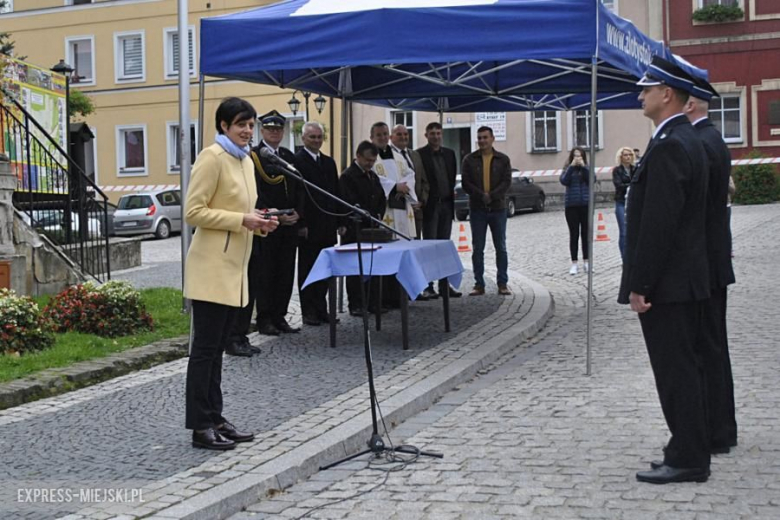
{"points": [[313, 297], [276, 275], [713, 341], [577, 219], [212, 324], [437, 220], [244, 314], [354, 294], [670, 332]]}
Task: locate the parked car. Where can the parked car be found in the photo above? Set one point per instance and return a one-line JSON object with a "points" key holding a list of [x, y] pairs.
{"points": [[157, 212], [95, 210], [522, 194], [50, 222]]}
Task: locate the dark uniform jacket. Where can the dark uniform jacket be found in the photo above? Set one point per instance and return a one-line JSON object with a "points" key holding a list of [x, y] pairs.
{"points": [[286, 194], [666, 252], [364, 189], [718, 243], [500, 180], [438, 193], [322, 226]]}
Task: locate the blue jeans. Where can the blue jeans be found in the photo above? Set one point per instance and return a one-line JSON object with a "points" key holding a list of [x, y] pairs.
{"points": [[620, 213], [480, 220]]}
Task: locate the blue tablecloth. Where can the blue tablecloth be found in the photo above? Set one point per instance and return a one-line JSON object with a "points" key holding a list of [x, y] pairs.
{"points": [[414, 263]]}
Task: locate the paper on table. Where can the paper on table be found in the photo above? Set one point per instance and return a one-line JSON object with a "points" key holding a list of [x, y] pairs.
{"points": [[354, 247]]}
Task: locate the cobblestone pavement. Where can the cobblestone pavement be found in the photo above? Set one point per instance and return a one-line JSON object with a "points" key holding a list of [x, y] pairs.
{"points": [[536, 438], [128, 433]]}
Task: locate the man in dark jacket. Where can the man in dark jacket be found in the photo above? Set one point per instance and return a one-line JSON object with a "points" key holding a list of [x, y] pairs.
{"points": [[713, 338], [277, 253], [441, 167], [665, 273], [486, 177], [360, 185], [319, 222]]}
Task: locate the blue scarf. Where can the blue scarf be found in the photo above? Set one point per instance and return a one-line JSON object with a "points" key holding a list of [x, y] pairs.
{"points": [[231, 147]]}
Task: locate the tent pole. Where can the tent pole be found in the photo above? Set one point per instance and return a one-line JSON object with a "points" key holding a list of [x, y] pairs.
{"points": [[184, 132], [344, 163], [201, 101], [591, 205], [331, 121]]}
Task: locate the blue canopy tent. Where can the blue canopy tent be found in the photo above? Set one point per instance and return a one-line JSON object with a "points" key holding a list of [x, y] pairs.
{"points": [[439, 55], [436, 55]]}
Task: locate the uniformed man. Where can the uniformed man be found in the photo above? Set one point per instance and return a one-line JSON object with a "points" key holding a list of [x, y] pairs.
{"points": [[713, 338], [665, 272], [277, 254]]}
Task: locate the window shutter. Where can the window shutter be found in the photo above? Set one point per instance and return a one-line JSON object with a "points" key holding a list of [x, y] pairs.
{"points": [[175, 52], [132, 55]]}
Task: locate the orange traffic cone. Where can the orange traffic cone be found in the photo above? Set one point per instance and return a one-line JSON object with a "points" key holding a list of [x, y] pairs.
{"points": [[463, 241], [601, 230]]}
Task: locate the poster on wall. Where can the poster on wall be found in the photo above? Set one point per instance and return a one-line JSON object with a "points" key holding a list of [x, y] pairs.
{"points": [[42, 94], [495, 120]]}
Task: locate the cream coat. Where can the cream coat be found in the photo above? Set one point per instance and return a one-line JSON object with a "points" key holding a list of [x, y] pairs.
{"points": [[222, 189]]}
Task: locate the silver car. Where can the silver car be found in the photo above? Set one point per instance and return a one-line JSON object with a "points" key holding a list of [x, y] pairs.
{"points": [[157, 212]]}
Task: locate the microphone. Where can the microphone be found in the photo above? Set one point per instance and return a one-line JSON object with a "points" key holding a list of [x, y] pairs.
{"points": [[268, 154]]}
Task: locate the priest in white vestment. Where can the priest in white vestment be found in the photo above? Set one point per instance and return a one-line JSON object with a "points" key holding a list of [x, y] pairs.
{"points": [[397, 180]]}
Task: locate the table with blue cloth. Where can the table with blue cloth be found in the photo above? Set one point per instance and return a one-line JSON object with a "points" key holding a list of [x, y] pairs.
{"points": [[414, 263]]}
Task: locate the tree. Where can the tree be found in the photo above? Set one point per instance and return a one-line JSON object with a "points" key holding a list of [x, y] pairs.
{"points": [[6, 44], [80, 104]]}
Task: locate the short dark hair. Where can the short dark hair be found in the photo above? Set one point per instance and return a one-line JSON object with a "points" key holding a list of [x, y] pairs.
{"points": [[485, 129], [582, 152], [365, 146], [234, 109], [376, 125], [432, 126]]}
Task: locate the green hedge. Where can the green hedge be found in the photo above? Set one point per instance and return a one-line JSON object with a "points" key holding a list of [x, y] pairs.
{"points": [[756, 183], [719, 13]]}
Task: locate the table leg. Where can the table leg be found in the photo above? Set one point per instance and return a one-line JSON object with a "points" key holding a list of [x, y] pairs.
{"points": [[444, 291], [378, 316], [404, 318], [332, 309]]}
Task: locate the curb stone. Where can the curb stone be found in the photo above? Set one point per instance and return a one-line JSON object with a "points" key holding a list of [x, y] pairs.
{"points": [[56, 381], [234, 495]]}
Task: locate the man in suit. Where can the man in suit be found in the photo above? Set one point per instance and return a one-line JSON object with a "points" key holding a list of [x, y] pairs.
{"points": [[665, 272], [360, 185], [713, 337], [487, 175], [277, 253], [441, 167], [319, 222]]}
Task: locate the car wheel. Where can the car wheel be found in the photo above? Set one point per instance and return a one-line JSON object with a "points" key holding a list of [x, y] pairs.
{"points": [[510, 208], [461, 215], [163, 230], [539, 206]]}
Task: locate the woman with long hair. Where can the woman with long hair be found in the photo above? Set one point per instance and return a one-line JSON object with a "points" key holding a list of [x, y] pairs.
{"points": [[221, 206], [576, 177], [622, 174]]}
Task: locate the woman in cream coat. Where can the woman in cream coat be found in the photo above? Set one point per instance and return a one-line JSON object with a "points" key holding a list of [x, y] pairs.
{"points": [[221, 206]]}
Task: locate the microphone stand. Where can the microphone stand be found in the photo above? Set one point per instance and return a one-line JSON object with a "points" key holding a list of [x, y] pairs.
{"points": [[376, 444]]}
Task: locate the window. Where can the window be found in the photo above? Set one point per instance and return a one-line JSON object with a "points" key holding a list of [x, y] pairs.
{"points": [[8, 7], [406, 119], [726, 115], [78, 2], [581, 129], [544, 131], [174, 145], [169, 198], [80, 54], [612, 5], [131, 150], [129, 56], [172, 52]]}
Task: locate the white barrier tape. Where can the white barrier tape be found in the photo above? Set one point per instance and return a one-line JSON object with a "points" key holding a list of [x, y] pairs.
{"points": [[527, 173]]}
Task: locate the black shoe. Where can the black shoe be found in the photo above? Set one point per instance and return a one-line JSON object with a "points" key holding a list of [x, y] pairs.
{"points": [[238, 348], [283, 326], [421, 297], [655, 464], [454, 293], [311, 320], [430, 293], [720, 450], [211, 439], [267, 329], [667, 475], [253, 349], [229, 431], [325, 318]]}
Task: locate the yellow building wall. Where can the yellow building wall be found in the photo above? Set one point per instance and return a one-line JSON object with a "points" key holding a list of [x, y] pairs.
{"points": [[41, 33]]}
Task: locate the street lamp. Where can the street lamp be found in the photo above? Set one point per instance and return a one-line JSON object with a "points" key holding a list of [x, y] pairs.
{"points": [[66, 70], [294, 103]]}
